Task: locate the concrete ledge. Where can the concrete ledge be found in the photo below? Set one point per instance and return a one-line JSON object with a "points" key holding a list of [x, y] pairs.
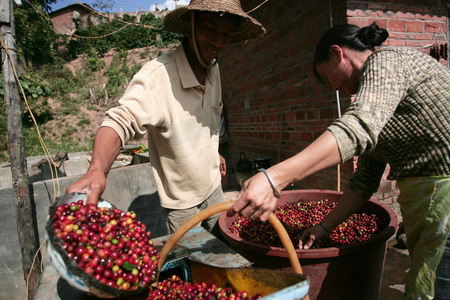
{"points": [[77, 164]]}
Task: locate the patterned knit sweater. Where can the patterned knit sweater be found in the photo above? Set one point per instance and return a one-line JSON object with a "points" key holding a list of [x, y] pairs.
{"points": [[400, 115]]}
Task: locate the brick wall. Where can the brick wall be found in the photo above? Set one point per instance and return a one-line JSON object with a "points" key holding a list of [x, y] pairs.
{"points": [[62, 19], [274, 105], [416, 25]]}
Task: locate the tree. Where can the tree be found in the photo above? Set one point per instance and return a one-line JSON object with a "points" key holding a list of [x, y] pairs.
{"points": [[104, 6], [35, 35]]}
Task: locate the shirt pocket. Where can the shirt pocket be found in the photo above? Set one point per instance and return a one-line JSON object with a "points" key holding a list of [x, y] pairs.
{"points": [[214, 118]]}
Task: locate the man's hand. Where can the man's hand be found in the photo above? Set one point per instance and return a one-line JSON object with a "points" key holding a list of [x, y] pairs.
{"points": [[222, 166], [92, 183]]}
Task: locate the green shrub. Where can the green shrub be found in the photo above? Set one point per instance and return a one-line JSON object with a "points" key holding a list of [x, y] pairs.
{"points": [[84, 121], [138, 35], [46, 76], [93, 62]]}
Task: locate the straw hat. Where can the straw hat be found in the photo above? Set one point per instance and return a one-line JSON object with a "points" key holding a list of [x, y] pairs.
{"points": [[248, 28]]}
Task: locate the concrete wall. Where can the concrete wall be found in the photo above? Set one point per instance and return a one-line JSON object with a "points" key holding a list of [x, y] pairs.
{"points": [[128, 188]]}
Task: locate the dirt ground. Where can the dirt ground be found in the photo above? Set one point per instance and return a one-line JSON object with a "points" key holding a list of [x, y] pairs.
{"points": [[56, 128], [396, 265]]}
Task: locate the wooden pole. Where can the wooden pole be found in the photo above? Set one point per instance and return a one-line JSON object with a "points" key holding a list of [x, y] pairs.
{"points": [[26, 218]]}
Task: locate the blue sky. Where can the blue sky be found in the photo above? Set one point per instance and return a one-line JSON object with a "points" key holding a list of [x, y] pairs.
{"points": [[128, 5]]}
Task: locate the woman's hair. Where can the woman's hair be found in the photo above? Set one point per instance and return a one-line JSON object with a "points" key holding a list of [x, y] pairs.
{"points": [[351, 36]]}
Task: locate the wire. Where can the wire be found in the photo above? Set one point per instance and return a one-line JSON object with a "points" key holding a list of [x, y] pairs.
{"points": [[32, 264], [53, 171], [100, 36], [96, 12], [112, 18], [339, 165], [258, 6]]}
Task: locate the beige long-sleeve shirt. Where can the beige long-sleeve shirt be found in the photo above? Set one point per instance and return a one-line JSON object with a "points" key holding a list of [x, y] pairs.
{"points": [[400, 116], [182, 119]]}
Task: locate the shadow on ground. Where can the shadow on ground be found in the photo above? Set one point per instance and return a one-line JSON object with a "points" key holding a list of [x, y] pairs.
{"points": [[394, 275]]}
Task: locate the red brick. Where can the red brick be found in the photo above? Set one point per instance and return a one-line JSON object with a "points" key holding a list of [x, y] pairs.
{"points": [[351, 13], [294, 136], [300, 115], [414, 43], [441, 18], [289, 116], [400, 36], [405, 15], [428, 37], [425, 17], [383, 23], [307, 136], [292, 93], [326, 114], [361, 13], [433, 28], [311, 115], [381, 14], [396, 25], [395, 43], [414, 26], [372, 14]]}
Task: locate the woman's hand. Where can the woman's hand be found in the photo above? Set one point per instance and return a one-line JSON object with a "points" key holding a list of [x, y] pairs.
{"points": [[310, 235], [256, 199]]}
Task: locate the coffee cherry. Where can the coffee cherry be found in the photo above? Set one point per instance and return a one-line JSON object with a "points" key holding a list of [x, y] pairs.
{"points": [[175, 288], [106, 243], [298, 216]]}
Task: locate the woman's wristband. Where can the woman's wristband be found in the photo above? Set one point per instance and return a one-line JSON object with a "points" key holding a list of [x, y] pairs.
{"points": [[323, 227], [276, 191]]}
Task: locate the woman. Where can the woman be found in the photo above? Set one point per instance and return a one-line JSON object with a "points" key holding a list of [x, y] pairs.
{"points": [[399, 116]]}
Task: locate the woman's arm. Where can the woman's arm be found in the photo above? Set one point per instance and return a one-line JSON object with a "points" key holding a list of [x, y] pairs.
{"points": [[348, 204], [257, 199]]}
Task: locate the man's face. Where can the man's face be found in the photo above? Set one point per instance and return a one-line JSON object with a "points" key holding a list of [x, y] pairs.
{"points": [[213, 33]]}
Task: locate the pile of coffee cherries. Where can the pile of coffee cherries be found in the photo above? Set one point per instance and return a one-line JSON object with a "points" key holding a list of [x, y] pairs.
{"points": [[110, 245], [298, 216], [175, 288]]}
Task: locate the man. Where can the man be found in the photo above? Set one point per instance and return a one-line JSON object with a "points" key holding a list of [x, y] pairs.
{"points": [[176, 100]]}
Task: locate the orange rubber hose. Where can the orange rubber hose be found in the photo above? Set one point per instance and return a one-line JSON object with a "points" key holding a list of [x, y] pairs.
{"points": [[217, 208]]}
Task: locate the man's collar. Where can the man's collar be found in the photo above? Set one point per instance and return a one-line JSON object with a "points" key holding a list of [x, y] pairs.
{"points": [[187, 76]]}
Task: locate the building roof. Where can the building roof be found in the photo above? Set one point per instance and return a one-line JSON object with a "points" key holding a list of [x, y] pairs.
{"points": [[84, 6]]}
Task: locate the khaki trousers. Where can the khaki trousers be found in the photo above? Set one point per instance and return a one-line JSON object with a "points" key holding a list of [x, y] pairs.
{"points": [[177, 217]]}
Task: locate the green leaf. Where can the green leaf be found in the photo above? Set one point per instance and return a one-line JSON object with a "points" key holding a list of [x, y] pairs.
{"points": [[127, 266]]}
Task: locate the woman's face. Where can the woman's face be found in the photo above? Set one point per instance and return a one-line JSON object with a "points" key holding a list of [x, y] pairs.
{"points": [[213, 33], [340, 71]]}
